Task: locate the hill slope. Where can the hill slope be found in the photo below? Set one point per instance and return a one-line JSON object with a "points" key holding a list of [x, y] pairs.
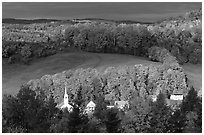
{"points": [[14, 75]]}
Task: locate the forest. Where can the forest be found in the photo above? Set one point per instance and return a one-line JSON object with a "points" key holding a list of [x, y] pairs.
{"points": [[171, 43], [35, 113]]}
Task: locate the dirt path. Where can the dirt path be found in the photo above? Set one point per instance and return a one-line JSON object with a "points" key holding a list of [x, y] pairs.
{"points": [[13, 76]]}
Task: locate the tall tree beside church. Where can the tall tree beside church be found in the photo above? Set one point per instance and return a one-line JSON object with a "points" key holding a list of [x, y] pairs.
{"points": [[50, 110]]}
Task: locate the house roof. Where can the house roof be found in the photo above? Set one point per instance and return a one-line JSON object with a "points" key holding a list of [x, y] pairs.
{"points": [[91, 104], [121, 103], [66, 105]]}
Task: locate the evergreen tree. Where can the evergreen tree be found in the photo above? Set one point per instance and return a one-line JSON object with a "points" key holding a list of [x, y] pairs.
{"points": [[112, 121], [188, 117], [191, 102], [136, 119], [100, 109], [159, 115], [191, 108], [28, 110], [176, 122]]}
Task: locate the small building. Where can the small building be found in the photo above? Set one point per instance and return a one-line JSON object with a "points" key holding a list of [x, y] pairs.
{"points": [[90, 107], [122, 104], [65, 103], [176, 97], [110, 106], [110, 103], [153, 97]]}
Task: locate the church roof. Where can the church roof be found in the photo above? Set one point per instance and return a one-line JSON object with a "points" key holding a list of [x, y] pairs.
{"points": [[62, 105], [66, 105]]}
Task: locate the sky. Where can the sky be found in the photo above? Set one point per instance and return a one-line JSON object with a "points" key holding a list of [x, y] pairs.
{"points": [[137, 11]]}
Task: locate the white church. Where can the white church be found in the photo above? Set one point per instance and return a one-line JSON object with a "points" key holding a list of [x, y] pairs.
{"points": [[65, 103], [90, 107]]}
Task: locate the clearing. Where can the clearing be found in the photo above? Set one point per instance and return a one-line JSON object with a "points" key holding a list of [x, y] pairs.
{"points": [[14, 75]]}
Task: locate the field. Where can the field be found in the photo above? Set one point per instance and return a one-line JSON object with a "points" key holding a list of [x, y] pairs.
{"points": [[15, 74]]}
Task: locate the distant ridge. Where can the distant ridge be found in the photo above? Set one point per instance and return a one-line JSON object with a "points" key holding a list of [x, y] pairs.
{"points": [[25, 21], [115, 21]]}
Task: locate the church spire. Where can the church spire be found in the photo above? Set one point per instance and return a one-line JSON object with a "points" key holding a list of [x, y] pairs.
{"points": [[66, 100]]}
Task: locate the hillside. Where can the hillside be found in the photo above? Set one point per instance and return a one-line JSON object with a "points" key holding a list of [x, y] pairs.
{"points": [[96, 75], [14, 77]]}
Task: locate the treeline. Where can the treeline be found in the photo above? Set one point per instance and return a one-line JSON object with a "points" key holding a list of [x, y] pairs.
{"points": [[182, 37], [33, 112], [23, 21], [116, 83], [22, 52], [110, 38]]}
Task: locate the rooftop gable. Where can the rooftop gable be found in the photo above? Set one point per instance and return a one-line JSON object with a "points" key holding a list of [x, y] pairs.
{"points": [[91, 104]]}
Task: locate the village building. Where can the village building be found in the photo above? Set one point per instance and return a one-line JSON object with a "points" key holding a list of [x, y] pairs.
{"points": [[153, 97], [110, 106], [176, 97], [65, 103], [110, 102], [122, 104], [90, 107]]}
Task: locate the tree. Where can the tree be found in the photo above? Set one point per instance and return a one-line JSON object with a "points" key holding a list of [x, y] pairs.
{"points": [[93, 125], [112, 121], [176, 122], [100, 109], [10, 114], [159, 115], [136, 119], [190, 127], [28, 110], [71, 122], [191, 108]]}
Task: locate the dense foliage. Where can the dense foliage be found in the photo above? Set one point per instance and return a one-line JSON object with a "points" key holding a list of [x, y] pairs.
{"points": [[170, 42], [181, 36], [32, 112]]}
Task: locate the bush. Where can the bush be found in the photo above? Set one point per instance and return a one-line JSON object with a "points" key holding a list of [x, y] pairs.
{"points": [[162, 55], [196, 56], [26, 51], [43, 52], [11, 60], [15, 58]]}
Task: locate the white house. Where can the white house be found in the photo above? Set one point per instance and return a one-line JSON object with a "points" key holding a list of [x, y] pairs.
{"points": [[176, 97], [110, 106], [65, 103], [154, 98], [121, 104], [90, 107]]}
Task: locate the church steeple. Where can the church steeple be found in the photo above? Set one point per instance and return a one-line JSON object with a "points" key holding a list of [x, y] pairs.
{"points": [[66, 99]]}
